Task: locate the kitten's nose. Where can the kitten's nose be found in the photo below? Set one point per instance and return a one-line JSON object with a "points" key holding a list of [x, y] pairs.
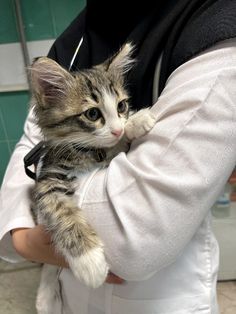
{"points": [[117, 132]]}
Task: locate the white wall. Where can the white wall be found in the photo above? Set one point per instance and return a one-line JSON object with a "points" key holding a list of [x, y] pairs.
{"points": [[12, 68]]}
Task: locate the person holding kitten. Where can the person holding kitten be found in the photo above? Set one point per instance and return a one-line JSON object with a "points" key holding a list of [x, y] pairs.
{"points": [[151, 205]]}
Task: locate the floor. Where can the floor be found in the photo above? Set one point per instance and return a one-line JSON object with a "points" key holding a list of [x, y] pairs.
{"points": [[227, 297], [18, 284]]}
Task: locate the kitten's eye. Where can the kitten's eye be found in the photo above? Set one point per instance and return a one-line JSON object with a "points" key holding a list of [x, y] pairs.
{"points": [[122, 106], [93, 114]]}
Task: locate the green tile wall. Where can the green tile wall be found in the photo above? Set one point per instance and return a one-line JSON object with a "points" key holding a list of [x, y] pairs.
{"points": [[63, 12], [43, 19], [37, 18], [13, 107], [13, 111], [5, 154], [8, 31]]}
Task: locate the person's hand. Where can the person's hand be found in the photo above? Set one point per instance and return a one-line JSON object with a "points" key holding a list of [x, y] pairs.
{"points": [[35, 244], [113, 279]]}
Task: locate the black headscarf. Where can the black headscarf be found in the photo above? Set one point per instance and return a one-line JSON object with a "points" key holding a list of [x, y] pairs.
{"points": [[106, 25]]}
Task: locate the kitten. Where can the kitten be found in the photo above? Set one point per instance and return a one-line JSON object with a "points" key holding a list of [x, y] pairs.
{"points": [[85, 120]]}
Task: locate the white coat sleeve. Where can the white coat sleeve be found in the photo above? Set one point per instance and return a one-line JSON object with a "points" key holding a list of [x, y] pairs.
{"points": [[149, 203], [14, 195]]}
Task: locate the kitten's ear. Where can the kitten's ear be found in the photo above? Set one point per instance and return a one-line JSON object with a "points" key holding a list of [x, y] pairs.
{"points": [[122, 60], [49, 81]]}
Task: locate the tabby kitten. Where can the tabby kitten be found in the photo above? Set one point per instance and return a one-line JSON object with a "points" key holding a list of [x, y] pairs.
{"points": [[84, 118]]}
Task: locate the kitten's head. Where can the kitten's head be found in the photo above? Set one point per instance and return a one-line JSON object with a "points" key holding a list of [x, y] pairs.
{"points": [[88, 107]]}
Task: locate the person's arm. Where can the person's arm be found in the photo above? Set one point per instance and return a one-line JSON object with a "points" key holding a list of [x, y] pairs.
{"points": [[34, 244], [15, 191], [148, 204]]}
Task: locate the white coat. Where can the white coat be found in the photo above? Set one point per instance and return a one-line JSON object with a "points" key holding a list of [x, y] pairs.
{"points": [[151, 207]]}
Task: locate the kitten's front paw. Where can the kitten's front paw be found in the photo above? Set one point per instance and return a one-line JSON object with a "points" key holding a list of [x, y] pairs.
{"points": [[90, 268], [139, 124]]}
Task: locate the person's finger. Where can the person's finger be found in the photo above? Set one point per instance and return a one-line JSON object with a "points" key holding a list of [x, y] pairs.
{"points": [[113, 279]]}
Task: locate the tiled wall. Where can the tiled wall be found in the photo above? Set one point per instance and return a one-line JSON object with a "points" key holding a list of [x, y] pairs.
{"points": [[43, 19], [13, 109]]}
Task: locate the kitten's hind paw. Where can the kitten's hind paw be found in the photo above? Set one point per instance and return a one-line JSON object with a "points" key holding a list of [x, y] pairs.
{"points": [[90, 268]]}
